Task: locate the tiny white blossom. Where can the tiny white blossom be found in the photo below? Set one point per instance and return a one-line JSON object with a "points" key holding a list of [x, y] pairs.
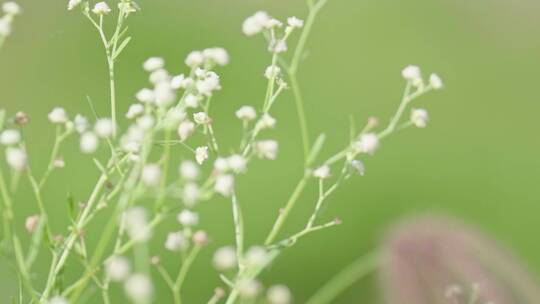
{"points": [[11, 8], [5, 25], [267, 149], [188, 218], [435, 81], [10, 137], [272, 71], [246, 113], [104, 127], [164, 94], [225, 258], [153, 63], [135, 110], [249, 288], [159, 76], [89, 142], [278, 46], [146, 122], [137, 226], [322, 172], [177, 81], [58, 300], [257, 256], [173, 118], [217, 55], [185, 129], [411, 73], [201, 154], [58, 116], [273, 23], [176, 241], [237, 163], [221, 164], [194, 59], [31, 223], [419, 117], [16, 158], [146, 96], [368, 143], [201, 118], [189, 170], [266, 122], [255, 24], [151, 174], [117, 268], [191, 194], [73, 4], [278, 294], [209, 84], [81, 123], [295, 22], [191, 101], [224, 185], [139, 288], [358, 166], [101, 8]]}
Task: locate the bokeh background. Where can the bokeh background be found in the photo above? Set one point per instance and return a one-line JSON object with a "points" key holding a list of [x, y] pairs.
{"points": [[478, 159]]}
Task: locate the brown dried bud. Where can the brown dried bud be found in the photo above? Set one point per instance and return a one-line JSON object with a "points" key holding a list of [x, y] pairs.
{"points": [[21, 118]]}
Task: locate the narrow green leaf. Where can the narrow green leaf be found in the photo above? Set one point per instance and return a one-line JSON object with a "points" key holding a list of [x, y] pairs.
{"points": [[121, 47]]}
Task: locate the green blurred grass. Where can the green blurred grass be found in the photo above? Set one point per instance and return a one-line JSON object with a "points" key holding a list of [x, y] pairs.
{"points": [[478, 159]]}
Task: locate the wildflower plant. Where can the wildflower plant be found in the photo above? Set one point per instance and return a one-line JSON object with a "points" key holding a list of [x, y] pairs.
{"points": [[134, 191]]}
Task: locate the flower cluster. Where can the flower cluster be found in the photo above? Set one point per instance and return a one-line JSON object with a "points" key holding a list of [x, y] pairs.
{"points": [[9, 10]]}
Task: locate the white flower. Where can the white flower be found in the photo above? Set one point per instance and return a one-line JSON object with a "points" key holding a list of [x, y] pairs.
{"points": [[11, 8], [225, 258], [191, 101], [173, 118], [217, 55], [419, 117], [266, 122], [272, 71], [189, 170], [16, 158], [201, 154], [368, 143], [139, 288], [104, 127], [435, 81], [194, 59], [58, 116], [191, 194], [273, 23], [146, 122], [278, 46], [159, 76], [255, 24], [58, 300], [81, 123], [411, 73], [246, 113], [358, 166], [137, 226], [10, 137], [200, 238], [176, 241], [145, 96], [164, 94], [209, 84], [267, 149], [177, 81], [153, 63], [89, 142], [257, 256], [188, 218], [221, 164], [295, 22], [73, 4], [5, 25], [101, 8], [322, 172], [237, 163], [278, 294], [185, 129], [134, 110], [249, 288], [151, 174], [31, 223], [201, 118], [224, 185], [117, 268]]}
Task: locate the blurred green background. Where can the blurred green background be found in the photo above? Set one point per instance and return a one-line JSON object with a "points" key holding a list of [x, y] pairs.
{"points": [[478, 159]]}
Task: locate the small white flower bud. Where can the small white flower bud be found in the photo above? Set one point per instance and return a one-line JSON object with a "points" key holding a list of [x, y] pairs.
{"points": [[266, 122], [80, 123], [221, 165], [189, 170], [295, 22], [10, 137], [201, 118], [278, 294], [176, 241], [191, 194], [101, 8], [11, 8], [146, 122], [209, 84], [200, 238], [58, 300], [153, 63], [137, 226], [278, 46], [191, 101], [104, 127], [358, 166], [185, 129], [266, 149], [249, 288], [159, 76], [436, 82], [31, 223], [151, 175], [224, 185], [272, 71], [368, 143], [194, 59], [246, 113], [217, 55], [419, 117], [255, 24], [146, 96], [225, 258], [188, 218], [411, 73], [16, 158], [323, 172], [164, 94], [257, 256], [89, 142], [72, 4], [139, 288], [201, 154], [117, 268], [237, 163], [58, 116], [135, 110], [177, 81]]}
